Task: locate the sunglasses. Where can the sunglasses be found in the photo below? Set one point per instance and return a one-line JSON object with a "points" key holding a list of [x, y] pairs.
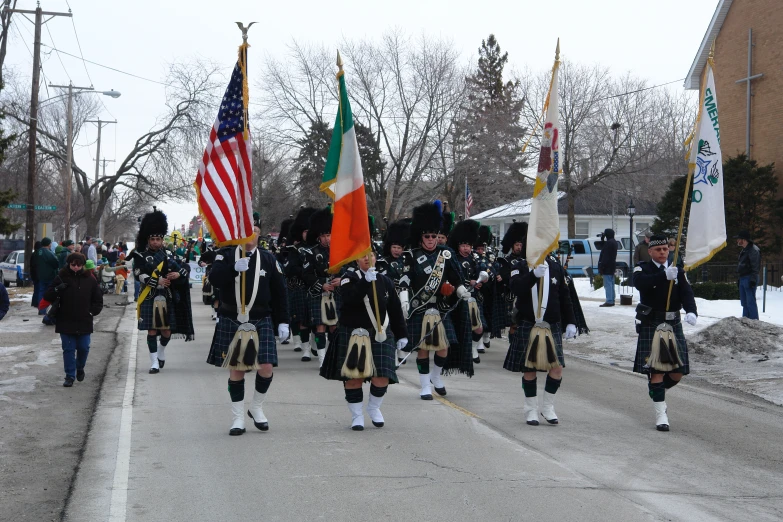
{"points": [[430, 236], [76, 263]]}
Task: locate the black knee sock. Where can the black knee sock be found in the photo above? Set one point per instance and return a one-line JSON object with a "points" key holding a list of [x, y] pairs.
{"points": [[378, 391], [657, 391], [529, 387], [237, 390], [152, 343], [304, 335], [353, 396], [476, 336], [439, 361], [552, 385], [164, 340], [668, 382], [423, 365], [262, 383], [320, 340]]}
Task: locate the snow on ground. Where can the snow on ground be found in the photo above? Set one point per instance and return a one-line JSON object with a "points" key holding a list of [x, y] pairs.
{"points": [[724, 350]]}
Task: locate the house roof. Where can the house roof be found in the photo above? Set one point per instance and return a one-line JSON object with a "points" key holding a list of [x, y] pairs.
{"points": [[515, 208], [694, 74]]}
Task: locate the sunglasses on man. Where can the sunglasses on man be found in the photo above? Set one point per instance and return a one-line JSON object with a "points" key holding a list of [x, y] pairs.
{"points": [[429, 236]]}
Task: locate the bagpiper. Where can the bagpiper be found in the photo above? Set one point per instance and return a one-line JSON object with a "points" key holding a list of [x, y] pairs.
{"points": [[391, 264], [163, 307], [485, 262], [322, 287], [357, 353], [298, 301], [208, 291], [281, 254], [661, 350], [503, 300], [543, 304], [246, 341], [432, 276], [447, 224], [461, 241]]}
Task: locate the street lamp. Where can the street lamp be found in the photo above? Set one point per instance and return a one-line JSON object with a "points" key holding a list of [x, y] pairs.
{"points": [[631, 211], [69, 154]]}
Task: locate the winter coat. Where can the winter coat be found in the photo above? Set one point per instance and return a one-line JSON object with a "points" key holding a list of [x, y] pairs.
{"points": [[5, 303], [749, 263], [79, 301], [46, 264], [607, 261], [641, 253]]}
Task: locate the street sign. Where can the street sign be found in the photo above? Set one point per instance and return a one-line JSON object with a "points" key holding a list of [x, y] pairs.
{"points": [[23, 206]]}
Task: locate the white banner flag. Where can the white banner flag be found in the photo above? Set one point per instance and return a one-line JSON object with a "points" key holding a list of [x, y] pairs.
{"points": [[544, 229], [707, 221]]}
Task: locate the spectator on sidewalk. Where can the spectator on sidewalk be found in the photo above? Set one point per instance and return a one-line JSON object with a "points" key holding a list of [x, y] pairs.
{"points": [[33, 271], [120, 273], [607, 263], [80, 300], [748, 268], [66, 248], [641, 253], [92, 250], [5, 303], [46, 267]]}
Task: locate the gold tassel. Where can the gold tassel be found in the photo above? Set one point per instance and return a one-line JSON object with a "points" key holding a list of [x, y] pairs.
{"points": [[664, 356], [475, 315], [160, 314], [243, 351], [358, 363], [541, 353], [328, 309], [433, 332]]}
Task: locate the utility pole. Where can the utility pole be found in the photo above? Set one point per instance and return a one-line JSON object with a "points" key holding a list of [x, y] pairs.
{"points": [[29, 234], [100, 223], [69, 153], [100, 123]]}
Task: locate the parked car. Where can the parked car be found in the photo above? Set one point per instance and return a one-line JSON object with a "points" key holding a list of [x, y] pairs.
{"points": [[581, 254], [12, 269]]}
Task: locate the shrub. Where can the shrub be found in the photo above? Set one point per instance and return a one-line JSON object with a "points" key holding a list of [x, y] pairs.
{"points": [[714, 291]]}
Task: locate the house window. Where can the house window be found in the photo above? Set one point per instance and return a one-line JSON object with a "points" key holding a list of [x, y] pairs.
{"points": [[582, 230], [641, 227]]}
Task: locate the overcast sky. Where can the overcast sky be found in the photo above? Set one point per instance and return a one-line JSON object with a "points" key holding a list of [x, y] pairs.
{"points": [[656, 40]]}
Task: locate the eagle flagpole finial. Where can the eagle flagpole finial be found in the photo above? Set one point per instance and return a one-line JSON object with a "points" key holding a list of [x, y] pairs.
{"points": [[244, 30]]}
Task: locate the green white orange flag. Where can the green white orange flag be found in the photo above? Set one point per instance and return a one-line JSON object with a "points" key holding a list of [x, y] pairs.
{"points": [[707, 222], [344, 181], [544, 228]]}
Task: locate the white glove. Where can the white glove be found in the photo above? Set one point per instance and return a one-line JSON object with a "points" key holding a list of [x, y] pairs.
{"points": [[371, 275], [483, 277], [540, 270], [671, 273], [463, 293], [570, 332], [242, 264], [402, 343], [143, 278], [691, 318], [282, 331], [404, 302]]}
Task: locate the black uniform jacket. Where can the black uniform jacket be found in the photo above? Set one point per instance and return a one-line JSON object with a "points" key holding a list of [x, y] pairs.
{"points": [[558, 308], [315, 266], [650, 279], [146, 262], [416, 262], [271, 299], [354, 288]]}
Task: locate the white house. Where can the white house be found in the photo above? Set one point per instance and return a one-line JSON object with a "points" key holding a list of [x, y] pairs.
{"points": [[594, 212]]}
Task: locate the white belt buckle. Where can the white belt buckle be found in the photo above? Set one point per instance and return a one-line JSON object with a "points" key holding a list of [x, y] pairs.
{"points": [[671, 316]]}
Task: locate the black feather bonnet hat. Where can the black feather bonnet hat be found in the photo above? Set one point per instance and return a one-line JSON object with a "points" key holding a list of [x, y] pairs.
{"points": [[516, 233], [300, 224], [464, 232], [153, 224]]}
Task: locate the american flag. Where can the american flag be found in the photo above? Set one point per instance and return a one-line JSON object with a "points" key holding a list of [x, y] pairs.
{"points": [[468, 200], [225, 177]]}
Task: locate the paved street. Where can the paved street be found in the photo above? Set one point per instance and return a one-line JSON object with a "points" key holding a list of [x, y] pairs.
{"points": [[159, 448]]}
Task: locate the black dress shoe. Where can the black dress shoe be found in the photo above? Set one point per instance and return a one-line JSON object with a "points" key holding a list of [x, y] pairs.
{"points": [[605, 304], [659, 427], [427, 397], [314, 352], [154, 370], [481, 350], [69, 382], [284, 342], [161, 362], [80, 374], [263, 426], [298, 349], [236, 431], [486, 344], [533, 423], [477, 360], [441, 391], [306, 357], [357, 428]]}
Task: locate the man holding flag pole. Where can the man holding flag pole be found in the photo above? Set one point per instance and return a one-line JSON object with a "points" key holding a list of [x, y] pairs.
{"points": [[542, 295], [252, 288], [363, 345]]}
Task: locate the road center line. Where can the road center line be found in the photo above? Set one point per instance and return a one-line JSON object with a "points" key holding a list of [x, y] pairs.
{"points": [[119, 492]]}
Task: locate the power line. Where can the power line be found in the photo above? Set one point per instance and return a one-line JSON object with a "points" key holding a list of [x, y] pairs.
{"points": [[58, 54], [640, 90], [110, 68], [21, 37]]}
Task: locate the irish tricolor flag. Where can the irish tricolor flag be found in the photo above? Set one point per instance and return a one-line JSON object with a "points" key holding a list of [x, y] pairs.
{"points": [[343, 180]]}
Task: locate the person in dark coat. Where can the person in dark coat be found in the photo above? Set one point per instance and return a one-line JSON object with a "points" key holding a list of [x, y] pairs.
{"points": [[46, 267], [67, 248], [607, 262], [5, 303], [80, 300], [748, 268]]}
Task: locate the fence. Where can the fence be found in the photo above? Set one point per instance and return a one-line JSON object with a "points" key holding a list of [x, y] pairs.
{"points": [[727, 273]]}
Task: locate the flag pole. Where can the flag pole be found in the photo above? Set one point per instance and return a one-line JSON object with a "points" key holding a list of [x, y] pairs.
{"points": [[245, 94]]}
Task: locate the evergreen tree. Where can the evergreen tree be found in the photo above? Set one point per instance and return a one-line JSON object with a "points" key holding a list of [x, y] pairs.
{"points": [[489, 132], [668, 210], [314, 147], [373, 166]]}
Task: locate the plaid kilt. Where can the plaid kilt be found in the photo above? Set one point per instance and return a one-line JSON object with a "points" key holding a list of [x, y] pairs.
{"points": [[501, 316], [314, 308], [414, 328], [517, 348], [298, 305], [224, 334], [145, 317], [383, 355], [644, 347]]}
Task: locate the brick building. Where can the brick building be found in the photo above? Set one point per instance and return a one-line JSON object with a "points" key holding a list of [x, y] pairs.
{"points": [[731, 27]]}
